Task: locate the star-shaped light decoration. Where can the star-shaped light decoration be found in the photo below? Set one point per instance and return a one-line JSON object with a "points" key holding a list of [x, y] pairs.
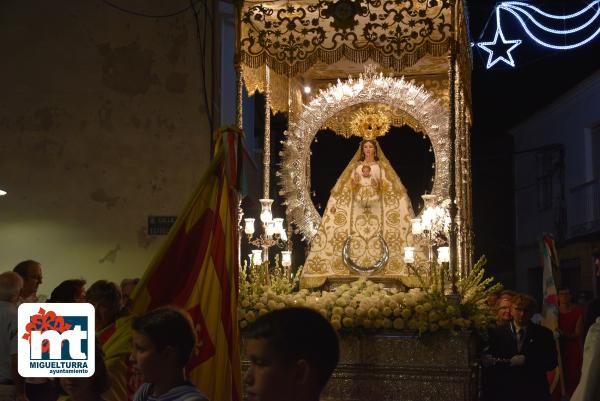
{"points": [[502, 47]]}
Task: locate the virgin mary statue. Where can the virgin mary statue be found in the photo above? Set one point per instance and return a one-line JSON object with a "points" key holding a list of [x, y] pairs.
{"points": [[365, 226]]}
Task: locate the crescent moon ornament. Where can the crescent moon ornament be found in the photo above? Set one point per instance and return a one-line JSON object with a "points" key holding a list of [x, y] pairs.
{"points": [[385, 255]]}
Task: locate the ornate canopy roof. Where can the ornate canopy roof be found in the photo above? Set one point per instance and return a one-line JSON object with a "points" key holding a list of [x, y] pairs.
{"points": [[292, 37]]}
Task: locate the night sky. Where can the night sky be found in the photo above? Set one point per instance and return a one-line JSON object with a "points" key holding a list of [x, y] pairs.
{"points": [[502, 98]]}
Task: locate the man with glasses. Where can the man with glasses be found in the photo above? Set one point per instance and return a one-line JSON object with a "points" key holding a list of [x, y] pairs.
{"points": [[523, 352]]}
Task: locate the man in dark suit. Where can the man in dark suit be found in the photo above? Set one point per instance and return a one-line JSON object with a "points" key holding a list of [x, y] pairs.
{"points": [[523, 352]]}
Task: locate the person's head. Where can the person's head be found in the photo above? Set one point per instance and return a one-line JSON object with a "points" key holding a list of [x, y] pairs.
{"points": [[523, 308], [503, 306], [11, 285], [69, 291], [163, 340], [127, 287], [564, 296], [492, 299], [31, 272], [292, 352], [368, 150], [596, 257], [106, 298], [85, 388], [366, 170]]}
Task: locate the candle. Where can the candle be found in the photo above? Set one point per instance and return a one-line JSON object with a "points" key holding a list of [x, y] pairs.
{"points": [[409, 254]]}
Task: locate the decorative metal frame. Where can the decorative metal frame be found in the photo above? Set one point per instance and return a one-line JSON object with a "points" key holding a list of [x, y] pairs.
{"points": [[370, 87]]}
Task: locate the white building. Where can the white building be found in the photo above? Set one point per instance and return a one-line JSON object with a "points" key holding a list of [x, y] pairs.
{"points": [[557, 188]]}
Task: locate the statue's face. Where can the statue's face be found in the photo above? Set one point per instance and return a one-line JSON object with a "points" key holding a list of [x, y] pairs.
{"points": [[369, 149]]}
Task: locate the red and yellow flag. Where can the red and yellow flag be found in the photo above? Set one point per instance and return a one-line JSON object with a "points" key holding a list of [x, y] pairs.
{"points": [[196, 269]]}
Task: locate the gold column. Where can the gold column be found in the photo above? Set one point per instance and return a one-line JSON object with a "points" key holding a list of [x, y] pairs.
{"points": [[267, 150], [267, 141], [452, 151]]}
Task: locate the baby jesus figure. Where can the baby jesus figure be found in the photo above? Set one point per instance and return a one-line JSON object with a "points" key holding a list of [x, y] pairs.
{"points": [[366, 178], [366, 170]]}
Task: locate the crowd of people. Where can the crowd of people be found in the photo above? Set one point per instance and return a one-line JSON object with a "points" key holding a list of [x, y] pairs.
{"points": [[162, 342], [521, 355]]}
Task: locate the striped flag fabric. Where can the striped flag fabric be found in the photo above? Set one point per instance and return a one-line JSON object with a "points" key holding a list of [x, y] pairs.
{"points": [[550, 308], [196, 270], [550, 295]]}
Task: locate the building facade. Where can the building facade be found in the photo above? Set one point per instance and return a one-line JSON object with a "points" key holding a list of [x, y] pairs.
{"points": [[557, 189]]}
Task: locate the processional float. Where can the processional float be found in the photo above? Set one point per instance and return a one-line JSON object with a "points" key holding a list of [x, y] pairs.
{"points": [[419, 62], [406, 62]]}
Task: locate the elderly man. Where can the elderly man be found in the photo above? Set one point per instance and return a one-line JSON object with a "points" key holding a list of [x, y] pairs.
{"points": [[524, 352], [31, 272], [37, 388], [11, 384]]}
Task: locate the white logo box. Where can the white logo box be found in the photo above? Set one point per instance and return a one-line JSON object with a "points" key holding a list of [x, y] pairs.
{"points": [[48, 347]]}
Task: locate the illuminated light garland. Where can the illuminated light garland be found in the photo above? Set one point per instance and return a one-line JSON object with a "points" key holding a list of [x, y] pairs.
{"points": [[552, 16], [489, 47], [518, 10], [512, 8]]}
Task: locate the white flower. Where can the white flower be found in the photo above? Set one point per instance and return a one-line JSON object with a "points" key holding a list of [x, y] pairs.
{"points": [[250, 316], [342, 301], [398, 324]]}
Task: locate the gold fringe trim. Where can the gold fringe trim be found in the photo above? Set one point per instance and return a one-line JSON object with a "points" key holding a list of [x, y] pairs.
{"points": [[291, 68]]}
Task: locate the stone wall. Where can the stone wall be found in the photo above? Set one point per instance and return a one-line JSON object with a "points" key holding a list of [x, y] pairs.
{"points": [[102, 123]]}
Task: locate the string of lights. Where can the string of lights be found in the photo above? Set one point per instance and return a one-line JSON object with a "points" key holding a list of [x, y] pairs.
{"points": [[531, 18]]}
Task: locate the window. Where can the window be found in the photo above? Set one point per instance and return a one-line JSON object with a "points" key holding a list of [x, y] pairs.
{"points": [[549, 170], [596, 152]]}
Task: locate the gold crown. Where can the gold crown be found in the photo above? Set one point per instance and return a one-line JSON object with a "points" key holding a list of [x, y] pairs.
{"points": [[370, 123]]}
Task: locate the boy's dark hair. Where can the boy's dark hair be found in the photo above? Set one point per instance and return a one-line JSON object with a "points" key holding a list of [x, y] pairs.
{"points": [[300, 333], [168, 326], [66, 291]]}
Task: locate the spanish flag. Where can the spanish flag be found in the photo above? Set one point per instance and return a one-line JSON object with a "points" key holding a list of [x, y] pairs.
{"points": [[196, 269]]}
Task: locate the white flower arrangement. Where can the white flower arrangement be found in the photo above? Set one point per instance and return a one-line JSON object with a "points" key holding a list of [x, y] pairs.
{"points": [[369, 306]]}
